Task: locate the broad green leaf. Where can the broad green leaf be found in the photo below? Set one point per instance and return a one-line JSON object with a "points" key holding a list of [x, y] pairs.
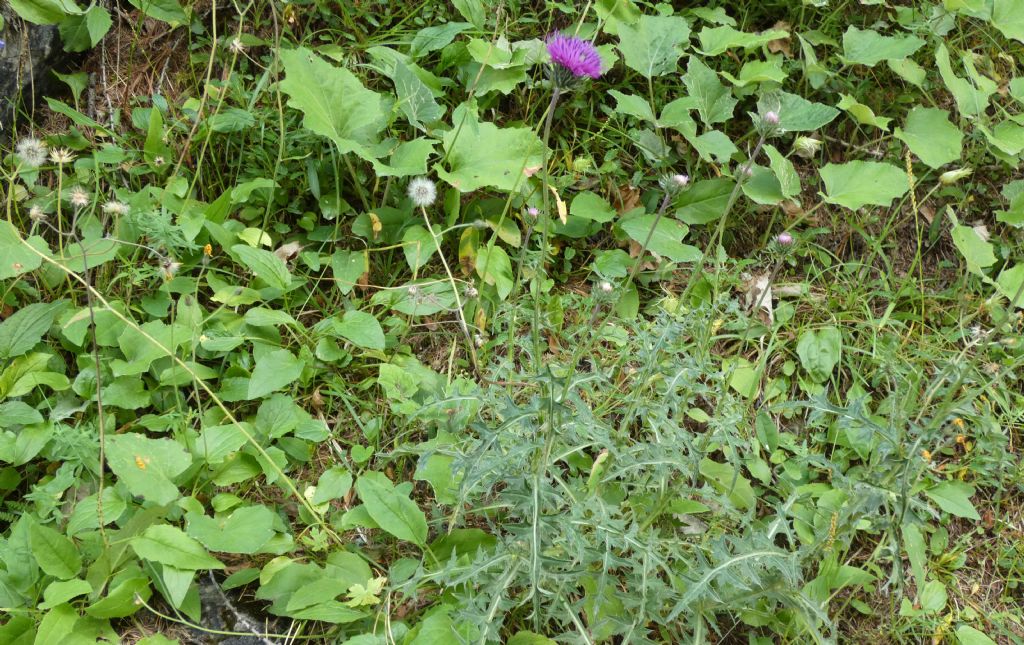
{"points": [[61, 591], [418, 246], [929, 135], [81, 32], [390, 509], [797, 114], [1014, 214], [57, 626], [408, 158], [714, 101], [820, 351], [415, 99], [436, 37], [349, 267], [977, 252], [666, 238], [868, 47], [763, 187], [704, 201], [145, 344], [633, 105], [335, 482], [15, 257], [333, 101], [967, 635], [479, 153], [785, 172], [725, 479], [44, 12], [758, 71], [862, 113], [56, 555], [653, 44], [917, 553], [274, 371], [26, 327], [860, 183], [264, 264], [494, 267], [717, 40], [147, 466], [216, 443], [245, 530], [592, 207], [908, 70], [1010, 283], [1008, 17], [169, 11], [971, 94], [529, 638], [954, 497], [362, 329], [121, 600], [169, 545]]}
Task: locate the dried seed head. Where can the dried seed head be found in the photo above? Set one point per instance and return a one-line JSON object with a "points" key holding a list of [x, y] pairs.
{"points": [[36, 214], [422, 192], [32, 152], [806, 147], [606, 287], [115, 208], [79, 198]]}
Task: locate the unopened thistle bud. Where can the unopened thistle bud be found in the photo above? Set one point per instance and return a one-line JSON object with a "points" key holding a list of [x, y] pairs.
{"points": [[784, 239], [951, 177], [771, 117], [606, 287], [806, 147]]}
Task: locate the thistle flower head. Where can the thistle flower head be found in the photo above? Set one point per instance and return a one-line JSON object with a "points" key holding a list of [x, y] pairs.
{"points": [[771, 117], [115, 208], [575, 55], [422, 192], [78, 197], [532, 212], [784, 239], [606, 287], [61, 156], [32, 152]]}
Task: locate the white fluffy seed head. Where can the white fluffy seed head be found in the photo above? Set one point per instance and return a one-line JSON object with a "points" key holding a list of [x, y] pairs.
{"points": [[115, 208], [36, 214], [606, 286], [78, 197], [422, 192], [32, 152]]}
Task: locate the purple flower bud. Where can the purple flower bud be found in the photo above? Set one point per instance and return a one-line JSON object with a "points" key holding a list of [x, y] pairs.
{"points": [[532, 211], [771, 118], [574, 54], [784, 239]]}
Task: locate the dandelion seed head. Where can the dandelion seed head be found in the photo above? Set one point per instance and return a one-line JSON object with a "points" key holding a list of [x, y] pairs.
{"points": [[471, 292], [32, 152], [574, 54], [36, 214], [422, 192], [237, 46]]}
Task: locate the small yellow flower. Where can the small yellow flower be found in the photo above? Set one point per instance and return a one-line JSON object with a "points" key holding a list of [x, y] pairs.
{"points": [[208, 250], [926, 455], [961, 439]]}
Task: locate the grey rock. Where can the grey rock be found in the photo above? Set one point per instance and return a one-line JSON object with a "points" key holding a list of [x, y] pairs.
{"points": [[29, 53]]}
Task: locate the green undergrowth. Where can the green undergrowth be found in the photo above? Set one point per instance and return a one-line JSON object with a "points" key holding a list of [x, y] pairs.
{"points": [[554, 391]]}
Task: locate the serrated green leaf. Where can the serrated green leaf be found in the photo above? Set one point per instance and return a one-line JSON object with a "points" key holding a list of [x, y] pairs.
{"points": [[481, 154], [653, 44], [868, 47], [714, 101], [666, 238]]}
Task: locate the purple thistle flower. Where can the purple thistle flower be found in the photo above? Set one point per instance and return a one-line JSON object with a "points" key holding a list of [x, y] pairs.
{"points": [[574, 54]]}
